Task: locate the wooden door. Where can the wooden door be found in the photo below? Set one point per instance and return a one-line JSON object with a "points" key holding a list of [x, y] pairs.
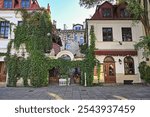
{"points": [[109, 70], [2, 72]]}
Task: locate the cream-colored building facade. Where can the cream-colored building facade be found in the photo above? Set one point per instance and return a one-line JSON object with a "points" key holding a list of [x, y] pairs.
{"points": [[115, 39]]}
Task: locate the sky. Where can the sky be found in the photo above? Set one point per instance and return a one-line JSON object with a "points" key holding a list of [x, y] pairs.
{"points": [[67, 12]]}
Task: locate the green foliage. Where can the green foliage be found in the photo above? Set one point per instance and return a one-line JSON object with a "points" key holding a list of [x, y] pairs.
{"points": [[90, 61], [98, 70], [38, 72], [139, 11], [13, 70], [2, 54], [144, 70], [91, 3], [33, 32], [144, 43], [134, 7], [33, 35], [83, 48]]}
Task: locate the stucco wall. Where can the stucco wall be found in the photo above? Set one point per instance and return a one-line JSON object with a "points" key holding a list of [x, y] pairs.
{"points": [[120, 75], [13, 18], [116, 25]]}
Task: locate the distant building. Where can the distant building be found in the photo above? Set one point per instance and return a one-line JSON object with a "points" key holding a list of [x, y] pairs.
{"points": [[72, 38], [115, 39]]}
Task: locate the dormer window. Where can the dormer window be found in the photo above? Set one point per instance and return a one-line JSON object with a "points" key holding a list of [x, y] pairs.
{"points": [[107, 13], [7, 4], [25, 3], [124, 13]]}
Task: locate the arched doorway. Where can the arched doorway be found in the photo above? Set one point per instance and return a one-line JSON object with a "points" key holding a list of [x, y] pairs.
{"points": [[2, 72], [109, 70], [65, 54]]}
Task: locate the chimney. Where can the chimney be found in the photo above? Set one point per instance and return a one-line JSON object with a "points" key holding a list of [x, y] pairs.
{"points": [[48, 8], [54, 22]]}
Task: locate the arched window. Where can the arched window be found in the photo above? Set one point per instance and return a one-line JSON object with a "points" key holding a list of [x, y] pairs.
{"points": [[109, 59], [129, 65], [65, 57]]}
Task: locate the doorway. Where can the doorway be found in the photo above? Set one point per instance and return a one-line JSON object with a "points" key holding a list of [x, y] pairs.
{"points": [[2, 72], [109, 70]]}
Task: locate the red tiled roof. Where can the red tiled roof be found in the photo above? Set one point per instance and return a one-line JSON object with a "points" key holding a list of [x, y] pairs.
{"points": [[98, 15]]}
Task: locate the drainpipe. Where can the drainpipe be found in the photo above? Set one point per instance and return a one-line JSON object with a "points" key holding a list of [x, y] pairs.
{"points": [[6, 80], [85, 79]]}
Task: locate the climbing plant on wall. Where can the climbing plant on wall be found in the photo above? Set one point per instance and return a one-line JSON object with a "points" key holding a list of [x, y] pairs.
{"points": [[90, 60], [33, 35]]}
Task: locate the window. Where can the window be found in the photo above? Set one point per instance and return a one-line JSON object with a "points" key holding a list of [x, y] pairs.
{"points": [[68, 46], [20, 23], [124, 13], [4, 29], [107, 13], [75, 38], [25, 3], [126, 34], [7, 3], [129, 65], [107, 34], [77, 28], [81, 40]]}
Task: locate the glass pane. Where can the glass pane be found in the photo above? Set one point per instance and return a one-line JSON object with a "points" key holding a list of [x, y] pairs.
{"points": [[124, 13], [129, 65], [75, 38], [111, 70], [81, 40], [107, 12], [25, 3], [126, 34], [107, 34], [7, 3], [2, 23], [2, 30]]}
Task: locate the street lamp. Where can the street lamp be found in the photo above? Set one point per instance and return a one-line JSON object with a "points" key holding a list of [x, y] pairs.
{"points": [[47, 50], [48, 34]]}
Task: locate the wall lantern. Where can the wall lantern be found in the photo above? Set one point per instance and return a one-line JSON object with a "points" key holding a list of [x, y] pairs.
{"points": [[120, 42], [120, 61]]}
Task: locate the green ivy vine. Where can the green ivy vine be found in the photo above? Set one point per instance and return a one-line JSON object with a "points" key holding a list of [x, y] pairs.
{"points": [[35, 65]]}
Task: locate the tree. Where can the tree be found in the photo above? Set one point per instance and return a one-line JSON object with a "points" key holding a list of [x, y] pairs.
{"points": [[92, 3], [139, 10], [90, 59]]}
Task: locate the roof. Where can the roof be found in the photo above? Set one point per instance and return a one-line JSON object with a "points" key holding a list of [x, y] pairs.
{"points": [[98, 15], [16, 4]]}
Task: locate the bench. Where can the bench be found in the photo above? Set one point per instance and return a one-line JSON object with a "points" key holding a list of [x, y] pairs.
{"points": [[64, 82]]}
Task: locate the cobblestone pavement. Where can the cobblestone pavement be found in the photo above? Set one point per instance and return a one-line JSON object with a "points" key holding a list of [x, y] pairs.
{"points": [[75, 92]]}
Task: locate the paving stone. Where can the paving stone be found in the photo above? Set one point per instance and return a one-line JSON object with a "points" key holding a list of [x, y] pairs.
{"points": [[76, 92]]}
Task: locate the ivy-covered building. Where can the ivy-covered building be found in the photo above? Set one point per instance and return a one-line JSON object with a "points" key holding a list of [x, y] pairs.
{"points": [[9, 19], [116, 34]]}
